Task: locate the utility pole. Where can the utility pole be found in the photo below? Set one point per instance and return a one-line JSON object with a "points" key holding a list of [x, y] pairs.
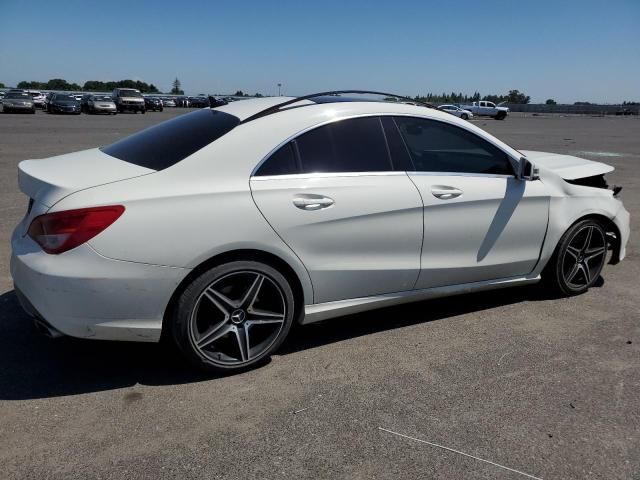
{"points": [[279, 85]]}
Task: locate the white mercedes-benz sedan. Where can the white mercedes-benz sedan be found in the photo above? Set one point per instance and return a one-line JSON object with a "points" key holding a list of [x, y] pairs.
{"points": [[222, 227]]}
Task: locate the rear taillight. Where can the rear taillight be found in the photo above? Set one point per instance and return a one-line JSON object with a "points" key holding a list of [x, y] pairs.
{"points": [[61, 231]]}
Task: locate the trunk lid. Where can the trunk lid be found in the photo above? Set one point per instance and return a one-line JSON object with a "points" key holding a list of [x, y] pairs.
{"points": [[567, 166], [49, 180]]}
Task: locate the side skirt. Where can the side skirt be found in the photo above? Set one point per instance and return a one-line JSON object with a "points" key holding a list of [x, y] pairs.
{"points": [[323, 311]]}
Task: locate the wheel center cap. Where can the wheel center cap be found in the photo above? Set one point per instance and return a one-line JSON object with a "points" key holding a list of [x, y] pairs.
{"points": [[238, 316]]}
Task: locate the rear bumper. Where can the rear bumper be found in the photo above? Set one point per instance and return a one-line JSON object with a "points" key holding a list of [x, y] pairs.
{"points": [[83, 294]]}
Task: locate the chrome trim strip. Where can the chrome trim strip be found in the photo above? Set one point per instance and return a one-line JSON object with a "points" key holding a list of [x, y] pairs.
{"points": [[323, 311], [459, 174], [394, 173]]}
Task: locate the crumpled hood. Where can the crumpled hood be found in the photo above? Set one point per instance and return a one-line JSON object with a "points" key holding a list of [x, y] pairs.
{"points": [[567, 166]]}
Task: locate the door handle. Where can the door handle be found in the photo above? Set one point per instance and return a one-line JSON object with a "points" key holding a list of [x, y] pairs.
{"points": [[444, 192], [310, 201]]}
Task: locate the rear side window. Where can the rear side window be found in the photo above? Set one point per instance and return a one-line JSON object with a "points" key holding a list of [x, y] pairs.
{"points": [[282, 162], [353, 145], [439, 147], [168, 143]]}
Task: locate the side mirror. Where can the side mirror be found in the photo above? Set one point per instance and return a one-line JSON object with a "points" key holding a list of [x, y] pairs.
{"points": [[527, 171]]}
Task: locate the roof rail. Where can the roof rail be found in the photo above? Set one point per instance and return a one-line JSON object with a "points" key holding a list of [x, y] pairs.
{"points": [[278, 107]]}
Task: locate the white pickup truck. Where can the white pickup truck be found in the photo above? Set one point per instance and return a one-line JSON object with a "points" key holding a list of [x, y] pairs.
{"points": [[487, 109]]}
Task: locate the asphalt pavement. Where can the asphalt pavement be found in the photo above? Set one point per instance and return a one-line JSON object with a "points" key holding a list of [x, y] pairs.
{"points": [[548, 387]]}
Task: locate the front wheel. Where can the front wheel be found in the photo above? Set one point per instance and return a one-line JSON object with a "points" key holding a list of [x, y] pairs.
{"points": [[464, 116], [500, 116], [578, 259], [233, 316]]}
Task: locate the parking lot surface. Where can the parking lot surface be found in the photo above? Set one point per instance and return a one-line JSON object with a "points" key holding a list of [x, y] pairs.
{"points": [[546, 386]]}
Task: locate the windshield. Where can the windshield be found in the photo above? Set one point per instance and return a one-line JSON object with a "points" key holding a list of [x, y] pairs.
{"points": [[103, 98], [130, 93], [18, 95], [64, 97]]}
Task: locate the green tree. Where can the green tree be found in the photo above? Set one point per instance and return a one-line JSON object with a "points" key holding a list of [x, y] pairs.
{"points": [[2, 85], [550, 101], [176, 87], [516, 96], [239, 93]]}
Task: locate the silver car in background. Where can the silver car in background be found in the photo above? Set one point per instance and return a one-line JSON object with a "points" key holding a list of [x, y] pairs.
{"points": [[101, 104], [18, 102]]}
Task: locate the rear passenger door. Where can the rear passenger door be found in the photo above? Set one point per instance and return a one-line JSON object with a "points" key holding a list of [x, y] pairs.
{"points": [[353, 218]]}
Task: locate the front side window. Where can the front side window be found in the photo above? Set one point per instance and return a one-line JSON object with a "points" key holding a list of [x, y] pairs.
{"points": [[352, 145], [436, 146]]}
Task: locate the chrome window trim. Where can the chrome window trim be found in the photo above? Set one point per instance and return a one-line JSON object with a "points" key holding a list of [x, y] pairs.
{"points": [[301, 176], [460, 174], [514, 162]]}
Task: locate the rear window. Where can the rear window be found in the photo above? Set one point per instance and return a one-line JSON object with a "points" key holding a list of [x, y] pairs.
{"points": [[168, 143]]}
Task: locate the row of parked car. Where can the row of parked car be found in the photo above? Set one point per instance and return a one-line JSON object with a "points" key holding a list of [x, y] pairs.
{"points": [[127, 99], [120, 100]]}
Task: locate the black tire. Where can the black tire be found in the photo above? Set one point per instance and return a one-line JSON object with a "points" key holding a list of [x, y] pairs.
{"points": [[143, 111], [232, 282], [464, 116], [33, 111], [587, 252], [500, 116]]}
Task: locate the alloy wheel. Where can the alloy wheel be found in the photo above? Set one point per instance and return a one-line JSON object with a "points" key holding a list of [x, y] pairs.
{"points": [[584, 257], [237, 318]]}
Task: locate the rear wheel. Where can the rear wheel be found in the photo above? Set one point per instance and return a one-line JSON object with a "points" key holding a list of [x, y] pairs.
{"points": [[578, 259], [233, 316]]}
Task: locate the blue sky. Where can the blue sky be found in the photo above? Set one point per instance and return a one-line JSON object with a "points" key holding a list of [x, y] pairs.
{"points": [[568, 50]]}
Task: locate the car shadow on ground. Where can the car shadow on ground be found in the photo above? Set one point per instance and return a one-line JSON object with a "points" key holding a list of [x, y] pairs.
{"points": [[33, 366]]}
